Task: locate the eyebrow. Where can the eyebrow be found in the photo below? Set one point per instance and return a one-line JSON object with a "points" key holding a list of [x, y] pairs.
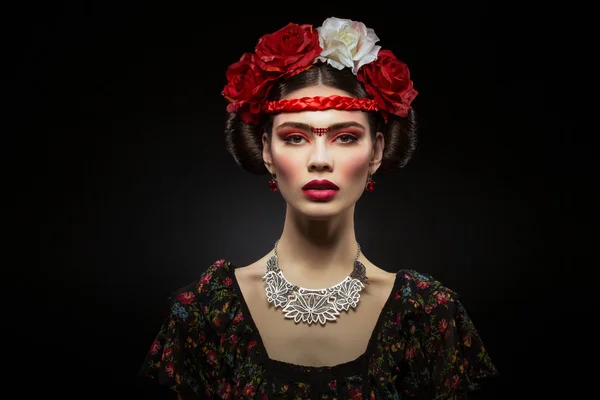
{"points": [[306, 127]]}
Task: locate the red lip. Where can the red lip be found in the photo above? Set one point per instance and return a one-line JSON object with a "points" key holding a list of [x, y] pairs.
{"points": [[320, 194], [320, 185]]}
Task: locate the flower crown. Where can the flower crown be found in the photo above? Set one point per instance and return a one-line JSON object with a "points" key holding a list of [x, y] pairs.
{"points": [[341, 43]]}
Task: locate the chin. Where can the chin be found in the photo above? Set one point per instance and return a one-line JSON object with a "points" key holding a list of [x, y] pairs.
{"points": [[320, 211], [319, 217]]}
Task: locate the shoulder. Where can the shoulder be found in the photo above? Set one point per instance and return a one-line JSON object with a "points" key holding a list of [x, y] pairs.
{"points": [[441, 339], [199, 312], [215, 276], [421, 292], [213, 289], [211, 301]]}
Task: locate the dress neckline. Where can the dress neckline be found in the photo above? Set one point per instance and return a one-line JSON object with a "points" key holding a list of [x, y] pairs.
{"points": [[345, 368]]}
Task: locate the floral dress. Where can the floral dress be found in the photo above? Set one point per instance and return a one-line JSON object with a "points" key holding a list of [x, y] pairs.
{"points": [[424, 346]]}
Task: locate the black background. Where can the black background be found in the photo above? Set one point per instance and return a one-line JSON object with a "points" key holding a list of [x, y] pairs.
{"points": [[138, 193]]}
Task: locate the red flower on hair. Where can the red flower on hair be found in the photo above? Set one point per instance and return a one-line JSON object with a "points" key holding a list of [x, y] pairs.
{"points": [[387, 79], [284, 53], [289, 51], [294, 49], [247, 87]]}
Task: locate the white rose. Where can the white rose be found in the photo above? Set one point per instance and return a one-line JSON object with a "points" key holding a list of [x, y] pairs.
{"points": [[347, 43]]}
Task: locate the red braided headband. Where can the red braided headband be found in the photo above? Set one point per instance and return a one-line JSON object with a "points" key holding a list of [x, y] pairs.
{"points": [[318, 103]]}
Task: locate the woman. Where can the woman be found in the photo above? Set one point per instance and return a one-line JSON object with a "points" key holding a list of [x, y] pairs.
{"points": [[321, 110]]}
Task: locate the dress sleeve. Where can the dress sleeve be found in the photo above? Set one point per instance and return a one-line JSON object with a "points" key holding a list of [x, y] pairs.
{"points": [[444, 353], [172, 359]]}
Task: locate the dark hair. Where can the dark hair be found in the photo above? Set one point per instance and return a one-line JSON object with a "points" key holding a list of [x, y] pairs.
{"points": [[244, 141]]}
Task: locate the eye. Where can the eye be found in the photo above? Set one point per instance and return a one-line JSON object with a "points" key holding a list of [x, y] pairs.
{"points": [[346, 138], [294, 139]]}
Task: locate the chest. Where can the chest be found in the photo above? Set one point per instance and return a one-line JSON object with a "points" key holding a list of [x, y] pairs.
{"points": [[335, 342]]}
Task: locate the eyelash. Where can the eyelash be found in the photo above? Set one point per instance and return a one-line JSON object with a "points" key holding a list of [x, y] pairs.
{"points": [[353, 139]]}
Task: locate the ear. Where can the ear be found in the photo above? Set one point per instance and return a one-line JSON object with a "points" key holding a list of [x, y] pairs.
{"points": [[266, 153], [377, 156]]}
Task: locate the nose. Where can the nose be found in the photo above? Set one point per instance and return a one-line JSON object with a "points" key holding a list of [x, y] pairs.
{"points": [[320, 157]]}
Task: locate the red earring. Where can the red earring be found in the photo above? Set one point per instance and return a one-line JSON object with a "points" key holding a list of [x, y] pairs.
{"points": [[273, 184], [370, 184]]}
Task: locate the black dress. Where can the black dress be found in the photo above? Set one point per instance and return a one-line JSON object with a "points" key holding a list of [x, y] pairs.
{"points": [[424, 346]]}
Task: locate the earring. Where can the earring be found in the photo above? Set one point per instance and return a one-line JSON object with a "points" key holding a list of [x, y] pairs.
{"points": [[370, 184], [273, 184]]}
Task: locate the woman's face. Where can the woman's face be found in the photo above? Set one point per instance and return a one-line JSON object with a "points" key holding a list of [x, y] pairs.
{"points": [[344, 156]]}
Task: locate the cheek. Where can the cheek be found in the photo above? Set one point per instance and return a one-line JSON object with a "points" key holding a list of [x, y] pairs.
{"points": [[288, 168], [355, 167]]}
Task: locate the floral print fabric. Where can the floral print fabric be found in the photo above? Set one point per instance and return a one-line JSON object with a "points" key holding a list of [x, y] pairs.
{"points": [[424, 346]]}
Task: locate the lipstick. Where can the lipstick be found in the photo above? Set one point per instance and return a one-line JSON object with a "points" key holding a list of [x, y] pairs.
{"points": [[320, 189]]}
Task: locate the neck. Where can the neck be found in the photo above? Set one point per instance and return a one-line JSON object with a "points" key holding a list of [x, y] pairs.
{"points": [[313, 251]]}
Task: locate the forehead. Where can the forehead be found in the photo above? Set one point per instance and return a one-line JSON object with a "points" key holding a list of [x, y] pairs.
{"points": [[321, 118]]}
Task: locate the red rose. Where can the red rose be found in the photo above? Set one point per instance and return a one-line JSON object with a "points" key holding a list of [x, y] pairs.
{"points": [[455, 381], [186, 297], [226, 390], [246, 88], [167, 354], [387, 79], [249, 390], [290, 50], [155, 348], [170, 369]]}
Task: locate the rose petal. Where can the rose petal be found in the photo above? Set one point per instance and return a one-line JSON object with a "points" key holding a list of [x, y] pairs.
{"points": [[334, 24], [367, 39], [335, 64], [368, 58]]}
